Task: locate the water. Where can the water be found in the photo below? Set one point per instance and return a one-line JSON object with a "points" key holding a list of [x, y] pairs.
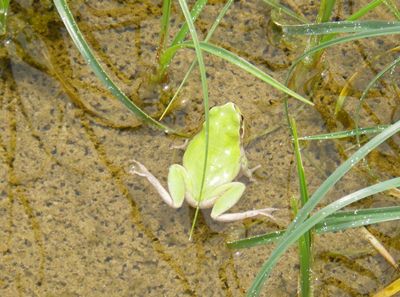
{"points": [[76, 223]]}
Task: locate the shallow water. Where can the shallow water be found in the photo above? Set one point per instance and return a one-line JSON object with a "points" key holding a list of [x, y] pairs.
{"points": [[76, 223]]}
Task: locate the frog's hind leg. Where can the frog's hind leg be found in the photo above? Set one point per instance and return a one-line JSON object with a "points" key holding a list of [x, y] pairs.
{"points": [[176, 185], [228, 198]]}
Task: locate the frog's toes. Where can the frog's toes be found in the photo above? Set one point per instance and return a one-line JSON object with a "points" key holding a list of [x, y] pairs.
{"points": [[138, 168], [182, 146], [254, 168], [267, 212]]}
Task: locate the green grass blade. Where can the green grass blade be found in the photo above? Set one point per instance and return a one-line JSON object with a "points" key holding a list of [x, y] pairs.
{"points": [[239, 62], [305, 252], [180, 36], [299, 162], [214, 26], [324, 14], [337, 221], [323, 17], [256, 240], [393, 8], [282, 8], [98, 70], [338, 27], [372, 82], [4, 4], [195, 12], [318, 195], [165, 19], [344, 134], [372, 33], [303, 226], [204, 87], [325, 10], [364, 10], [362, 217]]}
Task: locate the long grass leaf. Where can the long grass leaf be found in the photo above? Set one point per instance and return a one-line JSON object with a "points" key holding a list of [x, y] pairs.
{"points": [[344, 134], [372, 82], [390, 290], [356, 218], [303, 226], [239, 62], [337, 27], [339, 40], [364, 10], [393, 8], [338, 221], [318, 195], [346, 88], [86, 52], [165, 20], [194, 13], [204, 86], [305, 240], [180, 36], [209, 35], [4, 4]]}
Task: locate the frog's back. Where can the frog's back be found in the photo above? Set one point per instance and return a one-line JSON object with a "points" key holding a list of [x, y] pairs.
{"points": [[223, 161]]}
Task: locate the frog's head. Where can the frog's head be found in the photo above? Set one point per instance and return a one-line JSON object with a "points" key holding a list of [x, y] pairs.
{"points": [[226, 117], [228, 113]]}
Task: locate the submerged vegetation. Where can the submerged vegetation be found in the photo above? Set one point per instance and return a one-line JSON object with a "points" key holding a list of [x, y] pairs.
{"points": [[310, 216]]}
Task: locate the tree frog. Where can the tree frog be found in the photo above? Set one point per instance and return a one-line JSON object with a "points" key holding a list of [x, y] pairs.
{"points": [[225, 160]]}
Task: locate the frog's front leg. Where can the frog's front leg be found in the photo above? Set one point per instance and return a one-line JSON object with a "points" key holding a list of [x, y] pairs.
{"points": [[227, 196], [244, 166], [177, 178]]}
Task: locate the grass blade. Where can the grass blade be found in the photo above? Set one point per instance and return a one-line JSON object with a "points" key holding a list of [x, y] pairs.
{"points": [[291, 236], [356, 218], [180, 36], [371, 33], [324, 14], [393, 8], [165, 19], [337, 221], [305, 252], [86, 52], [344, 134], [390, 290], [387, 68], [365, 9], [204, 86], [195, 12], [318, 195], [209, 35], [4, 4], [337, 27], [239, 62]]}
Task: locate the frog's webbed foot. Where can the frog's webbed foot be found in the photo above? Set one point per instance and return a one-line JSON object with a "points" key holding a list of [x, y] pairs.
{"points": [[231, 217], [248, 172], [244, 168], [176, 183], [182, 146], [139, 169]]}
